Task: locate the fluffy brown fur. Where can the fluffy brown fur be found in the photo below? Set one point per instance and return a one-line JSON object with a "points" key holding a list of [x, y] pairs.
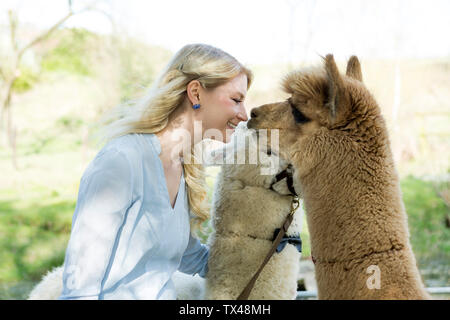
{"points": [[332, 131]]}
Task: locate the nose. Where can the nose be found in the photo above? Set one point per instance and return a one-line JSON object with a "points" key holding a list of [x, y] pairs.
{"points": [[242, 115], [253, 113]]}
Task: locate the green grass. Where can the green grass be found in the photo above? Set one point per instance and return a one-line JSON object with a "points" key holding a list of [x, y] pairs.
{"points": [[426, 218], [429, 234], [33, 236]]}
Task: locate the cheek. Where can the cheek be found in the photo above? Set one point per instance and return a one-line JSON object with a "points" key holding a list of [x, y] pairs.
{"points": [[224, 110], [219, 112], [228, 106]]}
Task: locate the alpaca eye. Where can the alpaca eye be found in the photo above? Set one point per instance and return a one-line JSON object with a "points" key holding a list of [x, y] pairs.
{"points": [[298, 116]]}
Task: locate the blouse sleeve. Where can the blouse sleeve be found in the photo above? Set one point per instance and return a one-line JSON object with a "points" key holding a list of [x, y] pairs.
{"points": [[105, 194], [195, 258]]}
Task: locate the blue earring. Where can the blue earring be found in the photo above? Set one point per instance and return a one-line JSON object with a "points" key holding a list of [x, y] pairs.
{"points": [[196, 106]]}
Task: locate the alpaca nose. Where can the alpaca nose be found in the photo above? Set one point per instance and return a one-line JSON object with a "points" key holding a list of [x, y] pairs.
{"points": [[253, 113]]}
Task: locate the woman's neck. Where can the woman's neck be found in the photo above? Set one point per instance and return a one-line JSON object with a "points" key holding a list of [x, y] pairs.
{"points": [[177, 138]]}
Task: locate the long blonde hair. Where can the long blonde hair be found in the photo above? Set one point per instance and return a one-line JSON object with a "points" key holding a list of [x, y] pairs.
{"points": [[212, 67]]}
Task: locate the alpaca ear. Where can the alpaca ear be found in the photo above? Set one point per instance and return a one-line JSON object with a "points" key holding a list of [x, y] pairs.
{"points": [[213, 152], [354, 69], [335, 86], [217, 156], [214, 157]]}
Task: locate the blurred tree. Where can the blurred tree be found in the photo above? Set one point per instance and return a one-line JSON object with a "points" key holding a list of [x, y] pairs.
{"points": [[10, 69]]}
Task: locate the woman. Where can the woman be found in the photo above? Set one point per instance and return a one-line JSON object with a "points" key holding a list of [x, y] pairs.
{"points": [[141, 194]]}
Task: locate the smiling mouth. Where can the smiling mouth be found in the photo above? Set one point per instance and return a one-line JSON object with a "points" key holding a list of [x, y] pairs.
{"points": [[231, 125]]}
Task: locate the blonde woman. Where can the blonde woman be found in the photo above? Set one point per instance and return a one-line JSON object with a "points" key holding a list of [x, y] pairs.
{"points": [[139, 197]]}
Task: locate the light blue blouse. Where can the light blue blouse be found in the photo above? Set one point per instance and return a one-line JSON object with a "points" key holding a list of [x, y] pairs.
{"points": [[127, 240]]}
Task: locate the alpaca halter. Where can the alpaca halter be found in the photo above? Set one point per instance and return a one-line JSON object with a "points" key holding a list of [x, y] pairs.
{"points": [[286, 173]]}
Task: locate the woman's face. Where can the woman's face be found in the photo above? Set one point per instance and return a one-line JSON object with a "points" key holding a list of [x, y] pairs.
{"points": [[222, 108]]}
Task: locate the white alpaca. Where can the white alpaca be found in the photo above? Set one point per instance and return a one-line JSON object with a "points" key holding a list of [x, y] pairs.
{"points": [[245, 215], [50, 287], [187, 287]]}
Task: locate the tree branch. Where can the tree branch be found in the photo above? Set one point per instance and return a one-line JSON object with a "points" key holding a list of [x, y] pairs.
{"points": [[12, 29], [45, 34]]}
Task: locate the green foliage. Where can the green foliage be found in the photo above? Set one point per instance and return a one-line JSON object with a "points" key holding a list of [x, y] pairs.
{"points": [[430, 238], [139, 65], [25, 81], [71, 54], [69, 122]]}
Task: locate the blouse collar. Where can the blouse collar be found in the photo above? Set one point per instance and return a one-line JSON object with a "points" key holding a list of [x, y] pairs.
{"points": [[155, 143]]}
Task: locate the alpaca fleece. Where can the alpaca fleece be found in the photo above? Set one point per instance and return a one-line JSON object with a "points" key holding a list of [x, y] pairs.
{"points": [[332, 131], [245, 214]]}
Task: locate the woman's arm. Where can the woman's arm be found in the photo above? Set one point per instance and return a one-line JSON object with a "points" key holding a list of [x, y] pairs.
{"points": [[104, 197], [195, 258]]}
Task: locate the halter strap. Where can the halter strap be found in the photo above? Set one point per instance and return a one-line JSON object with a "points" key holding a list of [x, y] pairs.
{"points": [[286, 173]]}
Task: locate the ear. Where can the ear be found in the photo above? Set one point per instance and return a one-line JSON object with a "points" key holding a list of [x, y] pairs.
{"points": [[354, 69], [335, 86], [193, 91]]}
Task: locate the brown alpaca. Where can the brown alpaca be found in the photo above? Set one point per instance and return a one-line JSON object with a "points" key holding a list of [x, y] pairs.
{"points": [[332, 131]]}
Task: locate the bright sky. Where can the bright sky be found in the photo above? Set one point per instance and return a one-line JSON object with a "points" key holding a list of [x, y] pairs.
{"points": [[267, 31]]}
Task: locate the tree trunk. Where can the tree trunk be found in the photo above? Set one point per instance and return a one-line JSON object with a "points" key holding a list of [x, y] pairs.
{"points": [[11, 130]]}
